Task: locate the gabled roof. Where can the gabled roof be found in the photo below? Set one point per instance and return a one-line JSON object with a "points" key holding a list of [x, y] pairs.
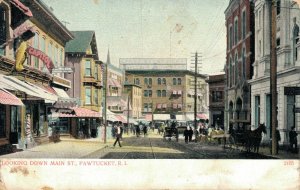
{"points": [[81, 42]]}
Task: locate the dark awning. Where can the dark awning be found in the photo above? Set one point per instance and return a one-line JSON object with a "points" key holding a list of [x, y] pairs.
{"points": [[22, 7]]}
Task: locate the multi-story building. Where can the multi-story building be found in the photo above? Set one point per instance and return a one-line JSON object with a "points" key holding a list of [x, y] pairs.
{"points": [[216, 83], [167, 93], [28, 125], [288, 64], [239, 59], [82, 57], [134, 93]]}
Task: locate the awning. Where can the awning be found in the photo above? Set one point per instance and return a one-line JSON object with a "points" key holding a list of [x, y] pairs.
{"points": [[28, 88], [117, 84], [121, 118], [174, 106], [83, 112], [66, 115], [163, 117], [22, 7], [148, 117], [61, 93], [8, 98], [179, 92], [158, 106], [202, 116], [174, 92], [179, 106], [164, 105]]}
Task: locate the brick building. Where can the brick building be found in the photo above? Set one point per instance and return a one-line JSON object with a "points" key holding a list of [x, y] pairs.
{"points": [[216, 85], [239, 17]]}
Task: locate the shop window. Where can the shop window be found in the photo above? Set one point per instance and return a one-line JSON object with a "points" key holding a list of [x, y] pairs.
{"points": [[2, 120], [87, 95]]}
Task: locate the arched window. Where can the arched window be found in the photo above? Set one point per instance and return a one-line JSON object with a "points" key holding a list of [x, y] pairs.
{"points": [[158, 93], [164, 81], [36, 42], [179, 81], [164, 93], [236, 36], [3, 28], [174, 81], [244, 62], [236, 69], [230, 73], [159, 81], [295, 40], [145, 80], [150, 81]]}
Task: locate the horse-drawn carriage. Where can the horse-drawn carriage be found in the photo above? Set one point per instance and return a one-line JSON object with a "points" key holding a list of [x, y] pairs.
{"points": [[246, 138], [170, 132]]}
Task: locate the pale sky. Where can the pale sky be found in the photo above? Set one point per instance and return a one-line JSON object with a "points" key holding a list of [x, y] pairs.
{"points": [[147, 28]]}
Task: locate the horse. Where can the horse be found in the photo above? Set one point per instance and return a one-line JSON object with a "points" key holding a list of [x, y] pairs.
{"points": [[253, 138]]}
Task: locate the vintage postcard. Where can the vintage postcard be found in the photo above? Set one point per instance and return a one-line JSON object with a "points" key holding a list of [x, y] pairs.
{"points": [[149, 94]]}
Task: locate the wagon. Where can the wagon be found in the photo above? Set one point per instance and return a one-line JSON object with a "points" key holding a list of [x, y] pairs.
{"points": [[170, 132]]}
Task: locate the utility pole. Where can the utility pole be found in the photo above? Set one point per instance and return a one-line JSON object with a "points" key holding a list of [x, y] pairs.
{"points": [[273, 76], [105, 101], [195, 91], [128, 98]]}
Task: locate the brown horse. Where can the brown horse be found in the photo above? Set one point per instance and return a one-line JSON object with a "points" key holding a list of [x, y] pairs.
{"points": [[253, 138]]}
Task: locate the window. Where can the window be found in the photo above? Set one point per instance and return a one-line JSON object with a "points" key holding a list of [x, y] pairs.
{"points": [[150, 107], [159, 81], [146, 93], [96, 97], [145, 80], [87, 95], [244, 24], [2, 120], [236, 70], [295, 40], [230, 37], [179, 81], [50, 49], [159, 93], [3, 30], [164, 81], [244, 62], [164, 93], [278, 42], [61, 57], [96, 72], [217, 96], [88, 69], [36, 46], [137, 81], [43, 44], [150, 81], [278, 4], [235, 32], [150, 93], [145, 107], [174, 81], [55, 51]]}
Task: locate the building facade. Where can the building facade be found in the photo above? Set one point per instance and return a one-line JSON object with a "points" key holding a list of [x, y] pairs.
{"points": [[216, 106], [288, 64], [239, 17], [169, 94], [30, 61], [134, 93], [82, 57]]}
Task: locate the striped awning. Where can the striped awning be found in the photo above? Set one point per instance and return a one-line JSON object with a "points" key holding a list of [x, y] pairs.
{"points": [[8, 98], [174, 92], [174, 106], [83, 112], [179, 92], [158, 106], [164, 105]]}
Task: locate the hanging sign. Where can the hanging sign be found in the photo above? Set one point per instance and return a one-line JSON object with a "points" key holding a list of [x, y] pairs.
{"points": [[42, 56]]}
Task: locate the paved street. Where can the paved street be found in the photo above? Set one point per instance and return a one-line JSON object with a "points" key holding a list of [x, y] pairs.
{"points": [[152, 146]]}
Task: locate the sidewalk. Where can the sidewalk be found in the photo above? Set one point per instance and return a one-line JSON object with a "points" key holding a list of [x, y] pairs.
{"points": [[282, 154]]}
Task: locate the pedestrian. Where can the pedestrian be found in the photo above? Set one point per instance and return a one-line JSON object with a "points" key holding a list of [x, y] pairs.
{"points": [[186, 135], [145, 130], [293, 140], [137, 130], [277, 140], [118, 135], [190, 134]]}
